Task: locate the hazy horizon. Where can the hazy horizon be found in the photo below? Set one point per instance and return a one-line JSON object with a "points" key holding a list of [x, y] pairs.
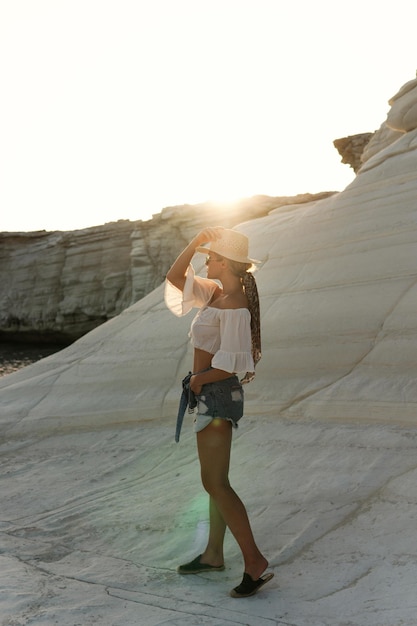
{"points": [[117, 110]]}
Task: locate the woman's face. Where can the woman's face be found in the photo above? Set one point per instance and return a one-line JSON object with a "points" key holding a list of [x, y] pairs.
{"points": [[214, 265]]}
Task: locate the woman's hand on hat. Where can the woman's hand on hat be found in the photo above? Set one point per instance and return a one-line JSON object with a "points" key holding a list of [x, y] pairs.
{"points": [[208, 234]]}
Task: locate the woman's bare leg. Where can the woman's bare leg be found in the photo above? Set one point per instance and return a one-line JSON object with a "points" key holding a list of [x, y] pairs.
{"points": [[213, 553], [214, 443]]}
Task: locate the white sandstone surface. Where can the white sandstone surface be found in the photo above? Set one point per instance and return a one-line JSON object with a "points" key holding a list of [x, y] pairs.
{"points": [[99, 505], [57, 286]]}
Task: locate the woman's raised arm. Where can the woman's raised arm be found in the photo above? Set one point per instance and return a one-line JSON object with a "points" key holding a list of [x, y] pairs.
{"points": [[177, 271]]}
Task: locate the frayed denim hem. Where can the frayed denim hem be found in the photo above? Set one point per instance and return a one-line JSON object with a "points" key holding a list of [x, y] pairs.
{"points": [[201, 421]]}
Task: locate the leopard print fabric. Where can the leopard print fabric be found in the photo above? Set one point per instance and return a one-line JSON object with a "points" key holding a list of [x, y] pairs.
{"points": [[251, 292]]}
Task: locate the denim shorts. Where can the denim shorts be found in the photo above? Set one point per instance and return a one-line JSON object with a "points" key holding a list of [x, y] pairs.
{"points": [[222, 399]]}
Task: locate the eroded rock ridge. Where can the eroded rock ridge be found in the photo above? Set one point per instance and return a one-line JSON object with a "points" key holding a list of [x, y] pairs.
{"points": [[57, 286]]}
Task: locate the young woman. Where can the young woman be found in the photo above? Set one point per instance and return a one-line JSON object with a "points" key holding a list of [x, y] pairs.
{"points": [[226, 337]]}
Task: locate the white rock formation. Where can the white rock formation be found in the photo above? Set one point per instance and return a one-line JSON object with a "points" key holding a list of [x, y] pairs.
{"points": [[60, 285], [57, 286], [99, 504], [401, 118]]}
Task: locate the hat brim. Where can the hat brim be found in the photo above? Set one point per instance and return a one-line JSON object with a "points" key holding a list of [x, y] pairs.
{"points": [[204, 250]]}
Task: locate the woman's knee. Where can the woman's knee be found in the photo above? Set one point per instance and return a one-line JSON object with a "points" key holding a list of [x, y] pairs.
{"points": [[214, 486]]}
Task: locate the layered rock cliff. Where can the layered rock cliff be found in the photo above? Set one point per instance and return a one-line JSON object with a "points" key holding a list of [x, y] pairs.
{"points": [[351, 149], [57, 286]]}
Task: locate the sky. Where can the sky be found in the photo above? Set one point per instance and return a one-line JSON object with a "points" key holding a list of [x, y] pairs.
{"points": [[115, 109]]}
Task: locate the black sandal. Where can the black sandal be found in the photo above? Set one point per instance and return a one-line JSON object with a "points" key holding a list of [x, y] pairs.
{"points": [[248, 586], [195, 567]]}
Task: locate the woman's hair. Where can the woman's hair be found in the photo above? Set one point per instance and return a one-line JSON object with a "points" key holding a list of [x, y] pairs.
{"points": [[251, 291]]}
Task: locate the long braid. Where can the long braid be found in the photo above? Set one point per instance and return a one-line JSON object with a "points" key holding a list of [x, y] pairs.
{"points": [[251, 292]]}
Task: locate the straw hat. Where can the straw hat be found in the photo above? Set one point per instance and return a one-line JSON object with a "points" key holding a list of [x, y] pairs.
{"points": [[231, 245]]}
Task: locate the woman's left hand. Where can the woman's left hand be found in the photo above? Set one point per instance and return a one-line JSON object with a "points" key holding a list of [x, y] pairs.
{"points": [[194, 386]]}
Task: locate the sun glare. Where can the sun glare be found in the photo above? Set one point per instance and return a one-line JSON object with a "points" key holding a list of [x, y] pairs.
{"points": [[184, 105]]}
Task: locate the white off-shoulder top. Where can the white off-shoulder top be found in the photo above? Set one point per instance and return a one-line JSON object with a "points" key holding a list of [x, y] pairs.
{"points": [[225, 333]]}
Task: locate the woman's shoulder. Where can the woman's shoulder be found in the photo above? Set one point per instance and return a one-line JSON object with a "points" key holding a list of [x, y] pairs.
{"points": [[215, 296], [229, 301]]}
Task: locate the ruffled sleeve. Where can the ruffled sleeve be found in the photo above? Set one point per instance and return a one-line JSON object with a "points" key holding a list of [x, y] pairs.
{"points": [[197, 293], [235, 352]]}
